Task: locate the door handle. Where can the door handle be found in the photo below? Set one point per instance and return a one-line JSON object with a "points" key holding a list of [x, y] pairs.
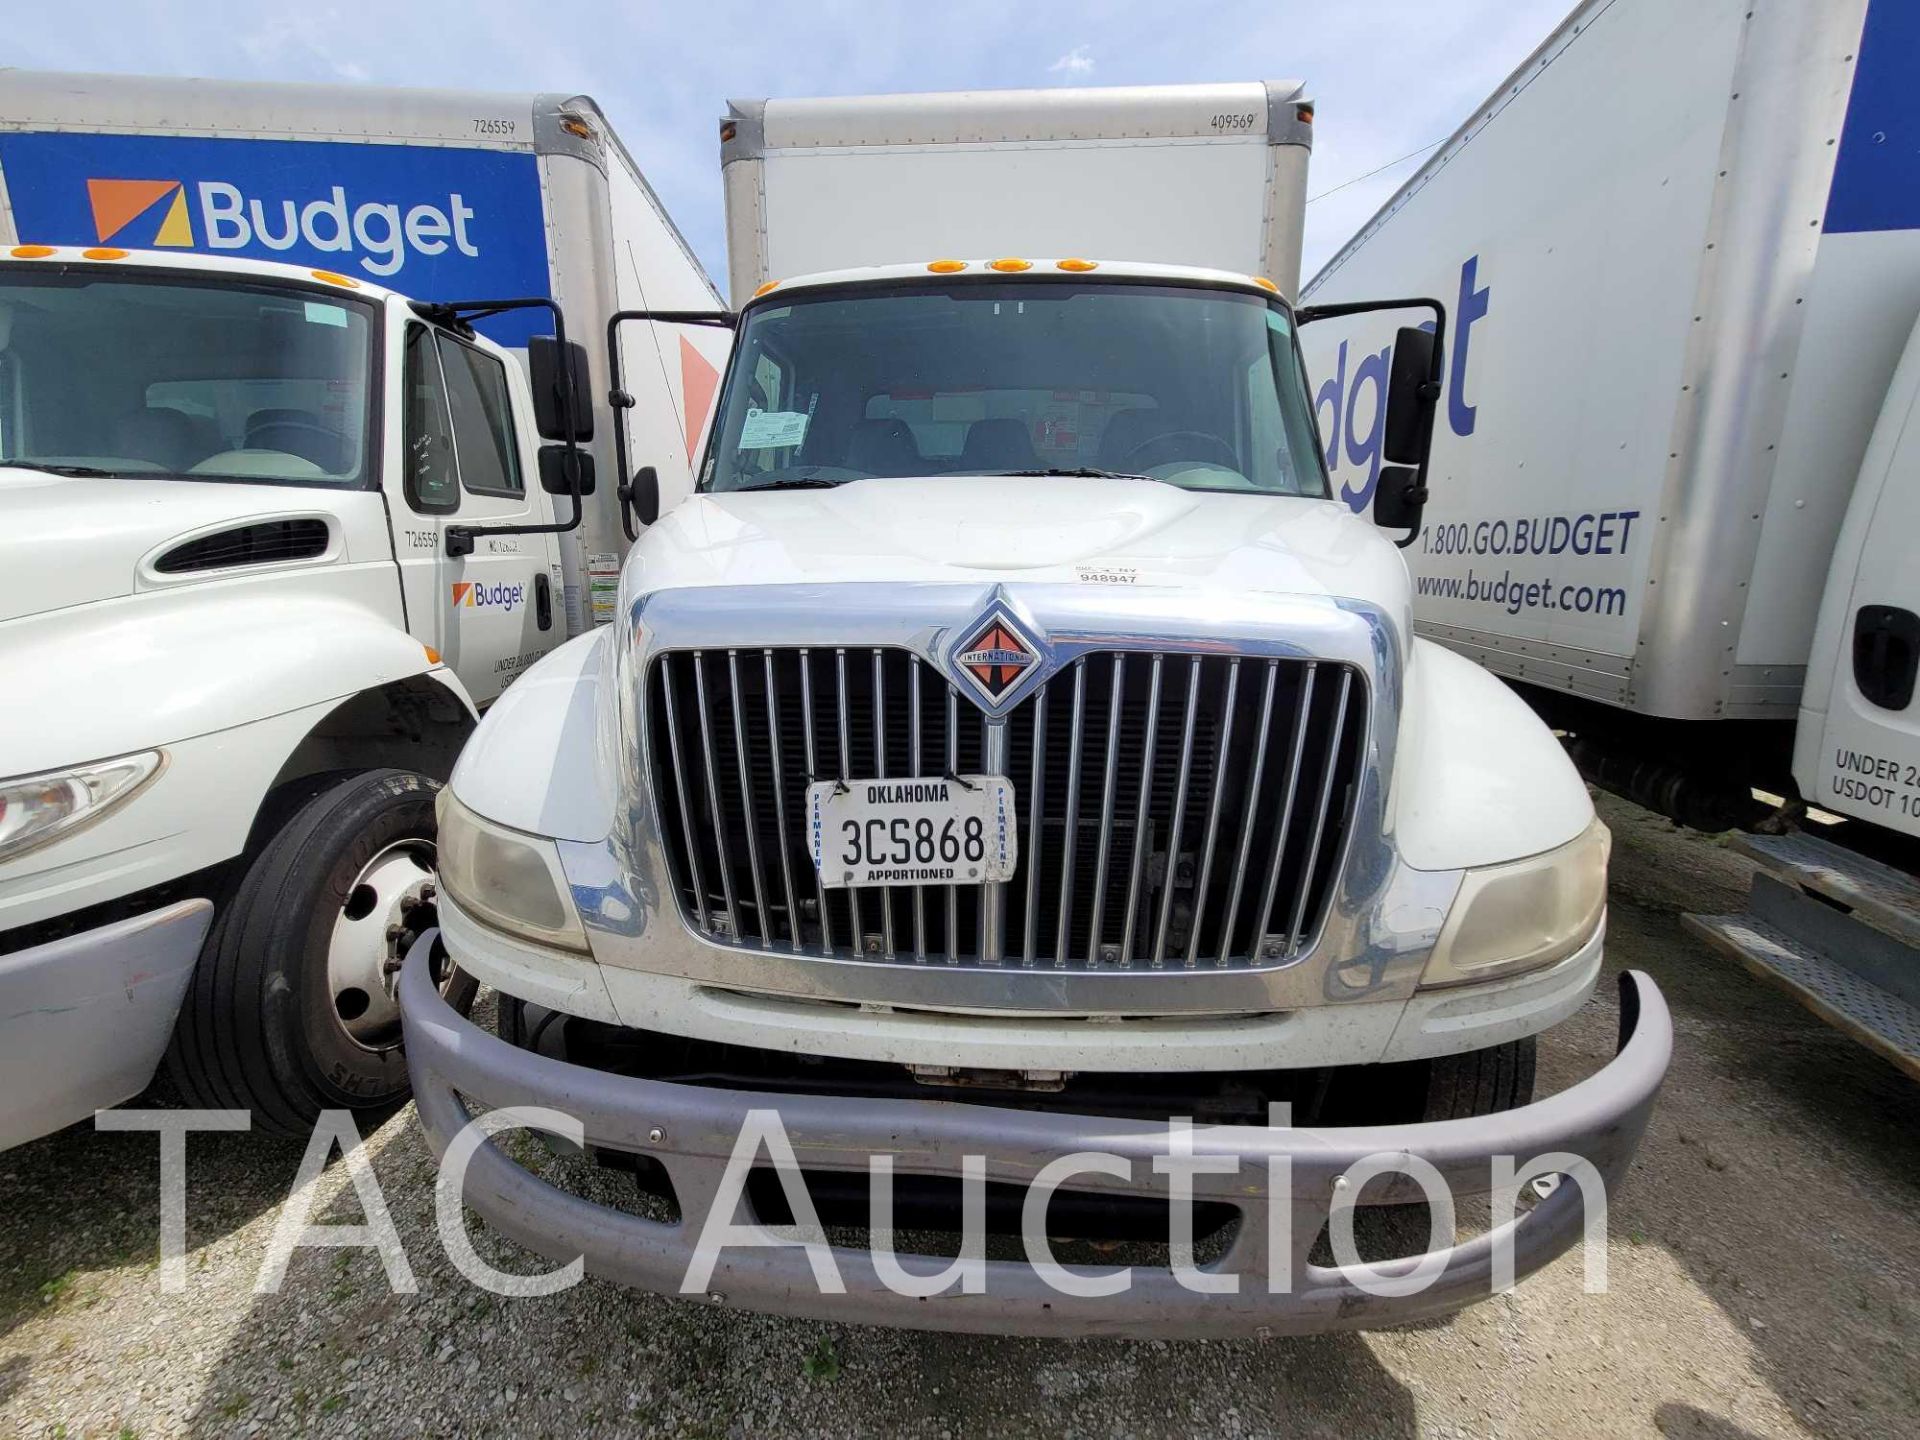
{"points": [[542, 601], [1886, 654]]}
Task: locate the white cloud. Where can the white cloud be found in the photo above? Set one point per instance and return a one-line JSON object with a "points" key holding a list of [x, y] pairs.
{"points": [[301, 40], [1075, 62]]}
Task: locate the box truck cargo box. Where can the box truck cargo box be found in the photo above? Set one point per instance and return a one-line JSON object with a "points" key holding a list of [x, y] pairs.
{"points": [[1675, 321], [1209, 175], [1682, 250]]}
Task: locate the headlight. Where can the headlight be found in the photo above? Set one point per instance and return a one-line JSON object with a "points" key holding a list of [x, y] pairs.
{"points": [[36, 808], [510, 880], [1524, 915]]}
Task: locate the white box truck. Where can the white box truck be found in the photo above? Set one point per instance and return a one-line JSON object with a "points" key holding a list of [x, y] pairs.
{"points": [[1010, 747], [1676, 485], [272, 535]]}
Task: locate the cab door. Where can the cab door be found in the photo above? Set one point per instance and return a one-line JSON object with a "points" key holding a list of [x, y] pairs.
{"points": [[1857, 750], [493, 612]]}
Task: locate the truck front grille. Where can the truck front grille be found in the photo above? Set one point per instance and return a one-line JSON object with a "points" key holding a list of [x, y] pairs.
{"points": [[1175, 810]]}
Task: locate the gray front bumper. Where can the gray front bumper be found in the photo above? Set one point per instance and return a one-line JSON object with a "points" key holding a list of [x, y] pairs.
{"points": [[1601, 1120], [84, 1020]]}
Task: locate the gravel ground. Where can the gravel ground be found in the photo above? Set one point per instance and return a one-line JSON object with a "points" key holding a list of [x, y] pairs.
{"points": [[1762, 1264]]}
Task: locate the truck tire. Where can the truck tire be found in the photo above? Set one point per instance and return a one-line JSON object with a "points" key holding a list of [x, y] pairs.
{"points": [[291, 1008], [1481, 1082]]}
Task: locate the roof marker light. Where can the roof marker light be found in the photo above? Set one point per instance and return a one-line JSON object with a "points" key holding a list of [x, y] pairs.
{"points": [[1010, 264], [1077, 265], [31, 252], [946, 267], [1264, 283], [765, 287], [103, 252], [333, 278]]}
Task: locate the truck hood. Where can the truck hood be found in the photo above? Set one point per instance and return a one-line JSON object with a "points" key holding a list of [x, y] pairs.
{"points": [[1043, 530], [75, 540]]}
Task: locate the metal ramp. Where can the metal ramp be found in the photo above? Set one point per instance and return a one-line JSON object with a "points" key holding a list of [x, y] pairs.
{"points": [[1837, 931]]}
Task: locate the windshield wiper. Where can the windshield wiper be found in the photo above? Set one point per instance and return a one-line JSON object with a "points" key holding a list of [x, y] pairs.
{"points": [[1078, 472], [76, 472], [793, 482]]}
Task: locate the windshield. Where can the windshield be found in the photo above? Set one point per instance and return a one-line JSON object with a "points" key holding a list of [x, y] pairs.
{"points": [[150, 376], [1199, 388]]}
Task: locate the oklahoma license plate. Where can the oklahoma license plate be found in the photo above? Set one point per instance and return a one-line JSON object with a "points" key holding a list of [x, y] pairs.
{"points": [[926, 831]]}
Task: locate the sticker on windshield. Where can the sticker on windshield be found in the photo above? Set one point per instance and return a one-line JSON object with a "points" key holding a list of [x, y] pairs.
{"points": [[321, 313], [771, 429], [1277, 321]]}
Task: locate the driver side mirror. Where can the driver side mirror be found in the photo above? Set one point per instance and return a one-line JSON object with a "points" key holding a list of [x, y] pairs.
{"points": [[1399, 498], [549, 364]]}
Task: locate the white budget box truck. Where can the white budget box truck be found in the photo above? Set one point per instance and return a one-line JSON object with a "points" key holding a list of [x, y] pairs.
{"points": [[1676, 477], [274, 530]]}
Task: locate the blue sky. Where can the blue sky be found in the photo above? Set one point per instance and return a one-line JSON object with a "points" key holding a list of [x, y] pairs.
{"points": [[1389, 76]]}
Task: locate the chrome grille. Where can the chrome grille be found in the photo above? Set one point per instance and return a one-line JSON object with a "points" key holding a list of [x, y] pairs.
{"points": [[1175, 810]]}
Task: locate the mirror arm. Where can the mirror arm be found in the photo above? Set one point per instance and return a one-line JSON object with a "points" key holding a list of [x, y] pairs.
{"points": [[459, 315], [621, 400], [1417, 496]]}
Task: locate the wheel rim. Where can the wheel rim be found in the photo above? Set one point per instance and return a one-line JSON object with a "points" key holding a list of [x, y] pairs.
{"points": [[388, 907]]}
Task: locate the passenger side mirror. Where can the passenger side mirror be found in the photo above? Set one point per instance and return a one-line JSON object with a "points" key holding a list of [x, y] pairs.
{"points": [[560, 467], [1412, 398], [560, 412], [1399, 498]]}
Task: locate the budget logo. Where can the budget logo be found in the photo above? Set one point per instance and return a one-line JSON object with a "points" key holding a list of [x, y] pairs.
{"points": [[117, 204], [471, 595], [380, 234]]}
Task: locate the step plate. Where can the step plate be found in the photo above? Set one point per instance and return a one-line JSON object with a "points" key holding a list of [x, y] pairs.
{"points": [[1878, 894], [1869, 1014]]}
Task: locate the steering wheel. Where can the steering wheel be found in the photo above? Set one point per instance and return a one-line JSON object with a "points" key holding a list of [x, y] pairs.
{"points": [[332, 443], [1209, 446]]}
